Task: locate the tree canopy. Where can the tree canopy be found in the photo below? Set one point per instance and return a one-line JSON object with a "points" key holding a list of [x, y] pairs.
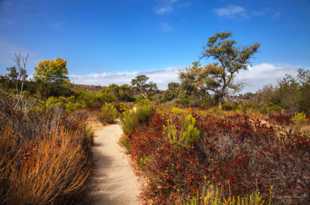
{"points": [[218, 78], [52, 71], [142, 87]]}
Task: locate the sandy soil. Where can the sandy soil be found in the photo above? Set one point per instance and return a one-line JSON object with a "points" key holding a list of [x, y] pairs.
{"points": [[114, 181]]}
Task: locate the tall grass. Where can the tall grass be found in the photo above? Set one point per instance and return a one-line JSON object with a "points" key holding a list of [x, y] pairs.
{"points": [[44, 156]]}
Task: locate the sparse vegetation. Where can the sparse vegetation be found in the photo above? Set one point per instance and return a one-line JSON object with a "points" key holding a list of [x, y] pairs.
{"points": [[197, 142]]}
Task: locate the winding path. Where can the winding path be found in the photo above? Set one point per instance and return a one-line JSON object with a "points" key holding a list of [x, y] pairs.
{"points": [[114, 181]]}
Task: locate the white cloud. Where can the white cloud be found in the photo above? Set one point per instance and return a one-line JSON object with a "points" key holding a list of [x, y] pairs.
{"points": [[231, 11], [165, 7], [256, 77], [161, 77]]}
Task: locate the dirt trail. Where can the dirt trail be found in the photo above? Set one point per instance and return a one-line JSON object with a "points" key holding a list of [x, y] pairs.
{"points": [[114, 181]]}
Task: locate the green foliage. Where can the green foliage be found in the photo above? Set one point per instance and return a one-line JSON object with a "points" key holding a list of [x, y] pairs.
{"points": [[143, 110], [122, 92], [129, 121], [214, 196], [124, 141], [138, 115], [144, 161], [177, 111], [122, 107], [172, 92], [142, 87], [53, 102], [291, 94], [217, 79], [188, 134], [229, 106], [108, 113], [299, 118], [106, 95], [52, 71], [69, 104]]}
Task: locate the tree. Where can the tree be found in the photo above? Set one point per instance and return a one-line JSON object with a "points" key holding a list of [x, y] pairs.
{"points": [[142, 87], [172, 92], [218, 78], [12, 73], [191, 81], [122, 92], [52, 71], [17, 74]]}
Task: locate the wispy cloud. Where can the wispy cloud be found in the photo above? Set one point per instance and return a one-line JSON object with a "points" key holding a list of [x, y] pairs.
{"points": [[165, 7], [237, 11], [256, 77], [231, 11]]}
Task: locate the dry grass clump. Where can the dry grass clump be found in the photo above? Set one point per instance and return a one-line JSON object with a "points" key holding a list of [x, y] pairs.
{"points": [[44, 156]]}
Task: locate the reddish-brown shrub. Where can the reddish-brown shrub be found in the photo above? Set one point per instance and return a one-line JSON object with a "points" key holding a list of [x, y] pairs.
{"points": [[237, 152]]}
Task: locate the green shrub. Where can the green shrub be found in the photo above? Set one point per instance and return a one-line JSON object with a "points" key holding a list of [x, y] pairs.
{"points": [[122, 107], [143, 111], [129, 121], [188, 134], [177, 111], [299, 118], [53, 102], [124, 141], [138, 115], [229, 106], [214, 196], [72, 106], [144, 161], [108, 113]]}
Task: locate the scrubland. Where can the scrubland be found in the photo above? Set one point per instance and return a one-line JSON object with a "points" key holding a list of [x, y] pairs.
{"points": [[45, 155], [192, 156]]}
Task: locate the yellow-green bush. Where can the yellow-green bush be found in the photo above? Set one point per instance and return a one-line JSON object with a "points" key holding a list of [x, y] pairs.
{"points": [[129, 121], [299, 118], [188, 134], [122, 107], [69, 104], [216, 197], [124, 141], [138, 115], [108, 113]]}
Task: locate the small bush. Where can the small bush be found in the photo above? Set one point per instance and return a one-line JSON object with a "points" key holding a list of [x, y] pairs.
{"points": [[187, 134], [108, 113], [299, 118], [229, 106], [124, 141], [122, 107], [215, 196], [139, 114], [129, 121], [143, 111]]}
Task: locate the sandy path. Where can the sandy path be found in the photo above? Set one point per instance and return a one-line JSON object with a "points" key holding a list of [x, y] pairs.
{"points": [[114, 181]]}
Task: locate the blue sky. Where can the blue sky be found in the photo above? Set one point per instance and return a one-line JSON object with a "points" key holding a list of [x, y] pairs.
{"points": [[112, 40]]}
